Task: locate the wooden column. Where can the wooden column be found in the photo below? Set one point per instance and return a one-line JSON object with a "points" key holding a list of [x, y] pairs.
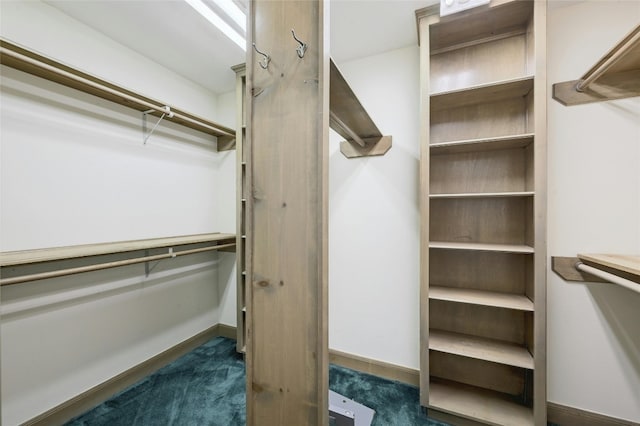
{"points": [[287, 163]]}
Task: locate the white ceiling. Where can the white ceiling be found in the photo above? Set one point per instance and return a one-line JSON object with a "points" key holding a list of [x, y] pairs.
{"points": [[174, 35], [171, 33]]}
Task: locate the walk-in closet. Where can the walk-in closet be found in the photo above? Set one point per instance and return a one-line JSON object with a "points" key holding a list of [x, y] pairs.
{"points": [[320, 212]]}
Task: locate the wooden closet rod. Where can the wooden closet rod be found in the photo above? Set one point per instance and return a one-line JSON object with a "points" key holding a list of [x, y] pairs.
{"points": [[32, 60], [107, 265], [614, 279]]}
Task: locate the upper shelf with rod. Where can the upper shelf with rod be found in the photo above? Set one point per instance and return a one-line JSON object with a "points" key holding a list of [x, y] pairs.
{"points": [[623, 270], [28, 61], [351, 121], [615, 76], [213, 241]]}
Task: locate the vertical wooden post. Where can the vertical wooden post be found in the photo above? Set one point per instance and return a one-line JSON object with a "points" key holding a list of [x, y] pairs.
{"points": [[287, 129], [540, 96]]}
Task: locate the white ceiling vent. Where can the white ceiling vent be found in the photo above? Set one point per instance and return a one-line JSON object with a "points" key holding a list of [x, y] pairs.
{"points": [[447, 7]]}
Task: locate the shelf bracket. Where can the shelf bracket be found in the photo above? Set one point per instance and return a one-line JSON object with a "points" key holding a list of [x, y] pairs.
{"points": [[565, 267], [148, 269], [378, 145], [226, 143], [165, 112]]}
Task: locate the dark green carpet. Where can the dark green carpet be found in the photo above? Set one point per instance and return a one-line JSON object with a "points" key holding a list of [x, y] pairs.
{"points": [[206, 387]]}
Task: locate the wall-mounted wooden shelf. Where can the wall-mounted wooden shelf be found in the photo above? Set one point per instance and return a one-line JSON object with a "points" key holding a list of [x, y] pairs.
{"points": [[620, 263], [349, 118], [23, 257], [31, 62], [624, 266], [482, 298], [216, 241], [480, 348], [615, 76]]}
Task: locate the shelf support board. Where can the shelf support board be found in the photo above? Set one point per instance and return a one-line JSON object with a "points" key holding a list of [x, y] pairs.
{"points": [[565, 267], [226, 143], [373, 147]]}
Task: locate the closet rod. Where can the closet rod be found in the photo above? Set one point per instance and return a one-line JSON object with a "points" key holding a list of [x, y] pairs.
{"points": [[628, 284], [336, 122], [619, 52], [160, 109], [107, 265]]}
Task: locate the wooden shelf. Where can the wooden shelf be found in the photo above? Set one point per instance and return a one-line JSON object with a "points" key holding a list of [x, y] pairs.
{"points": [[483, 252], [351, 121], [615, 76], [480, 348], [619, 265], [22, 257], [504, 248], [617, 262], [31, 62], [480, 297], [483, 93], [477, 26], [484, 195], [482, 144], [477, 404]]}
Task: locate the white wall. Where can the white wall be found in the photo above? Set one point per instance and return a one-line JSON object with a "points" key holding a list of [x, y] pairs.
{"points": [[74, 170], [594, 207], [374, 219]]}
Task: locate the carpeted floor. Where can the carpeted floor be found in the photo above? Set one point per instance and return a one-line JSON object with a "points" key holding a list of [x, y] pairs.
{"points": [[207, 387]]}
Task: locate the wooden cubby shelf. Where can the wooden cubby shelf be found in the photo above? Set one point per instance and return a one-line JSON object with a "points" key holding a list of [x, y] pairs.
{"points": [[503, 248], [482, 144], [480, 348], [482, 199], [483, 93], [481, 297], [478, 404]]}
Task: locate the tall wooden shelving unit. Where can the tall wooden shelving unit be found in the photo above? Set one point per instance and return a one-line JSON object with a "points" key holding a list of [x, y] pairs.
{"points": [[483, 208], [241, 211]]}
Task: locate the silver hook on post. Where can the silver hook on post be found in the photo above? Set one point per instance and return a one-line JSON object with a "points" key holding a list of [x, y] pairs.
{"points": [[265, 62], [302, 47]]}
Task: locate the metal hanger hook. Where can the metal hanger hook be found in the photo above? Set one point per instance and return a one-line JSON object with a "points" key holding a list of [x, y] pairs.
{"points": [[302, 47], [265, 61]]}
